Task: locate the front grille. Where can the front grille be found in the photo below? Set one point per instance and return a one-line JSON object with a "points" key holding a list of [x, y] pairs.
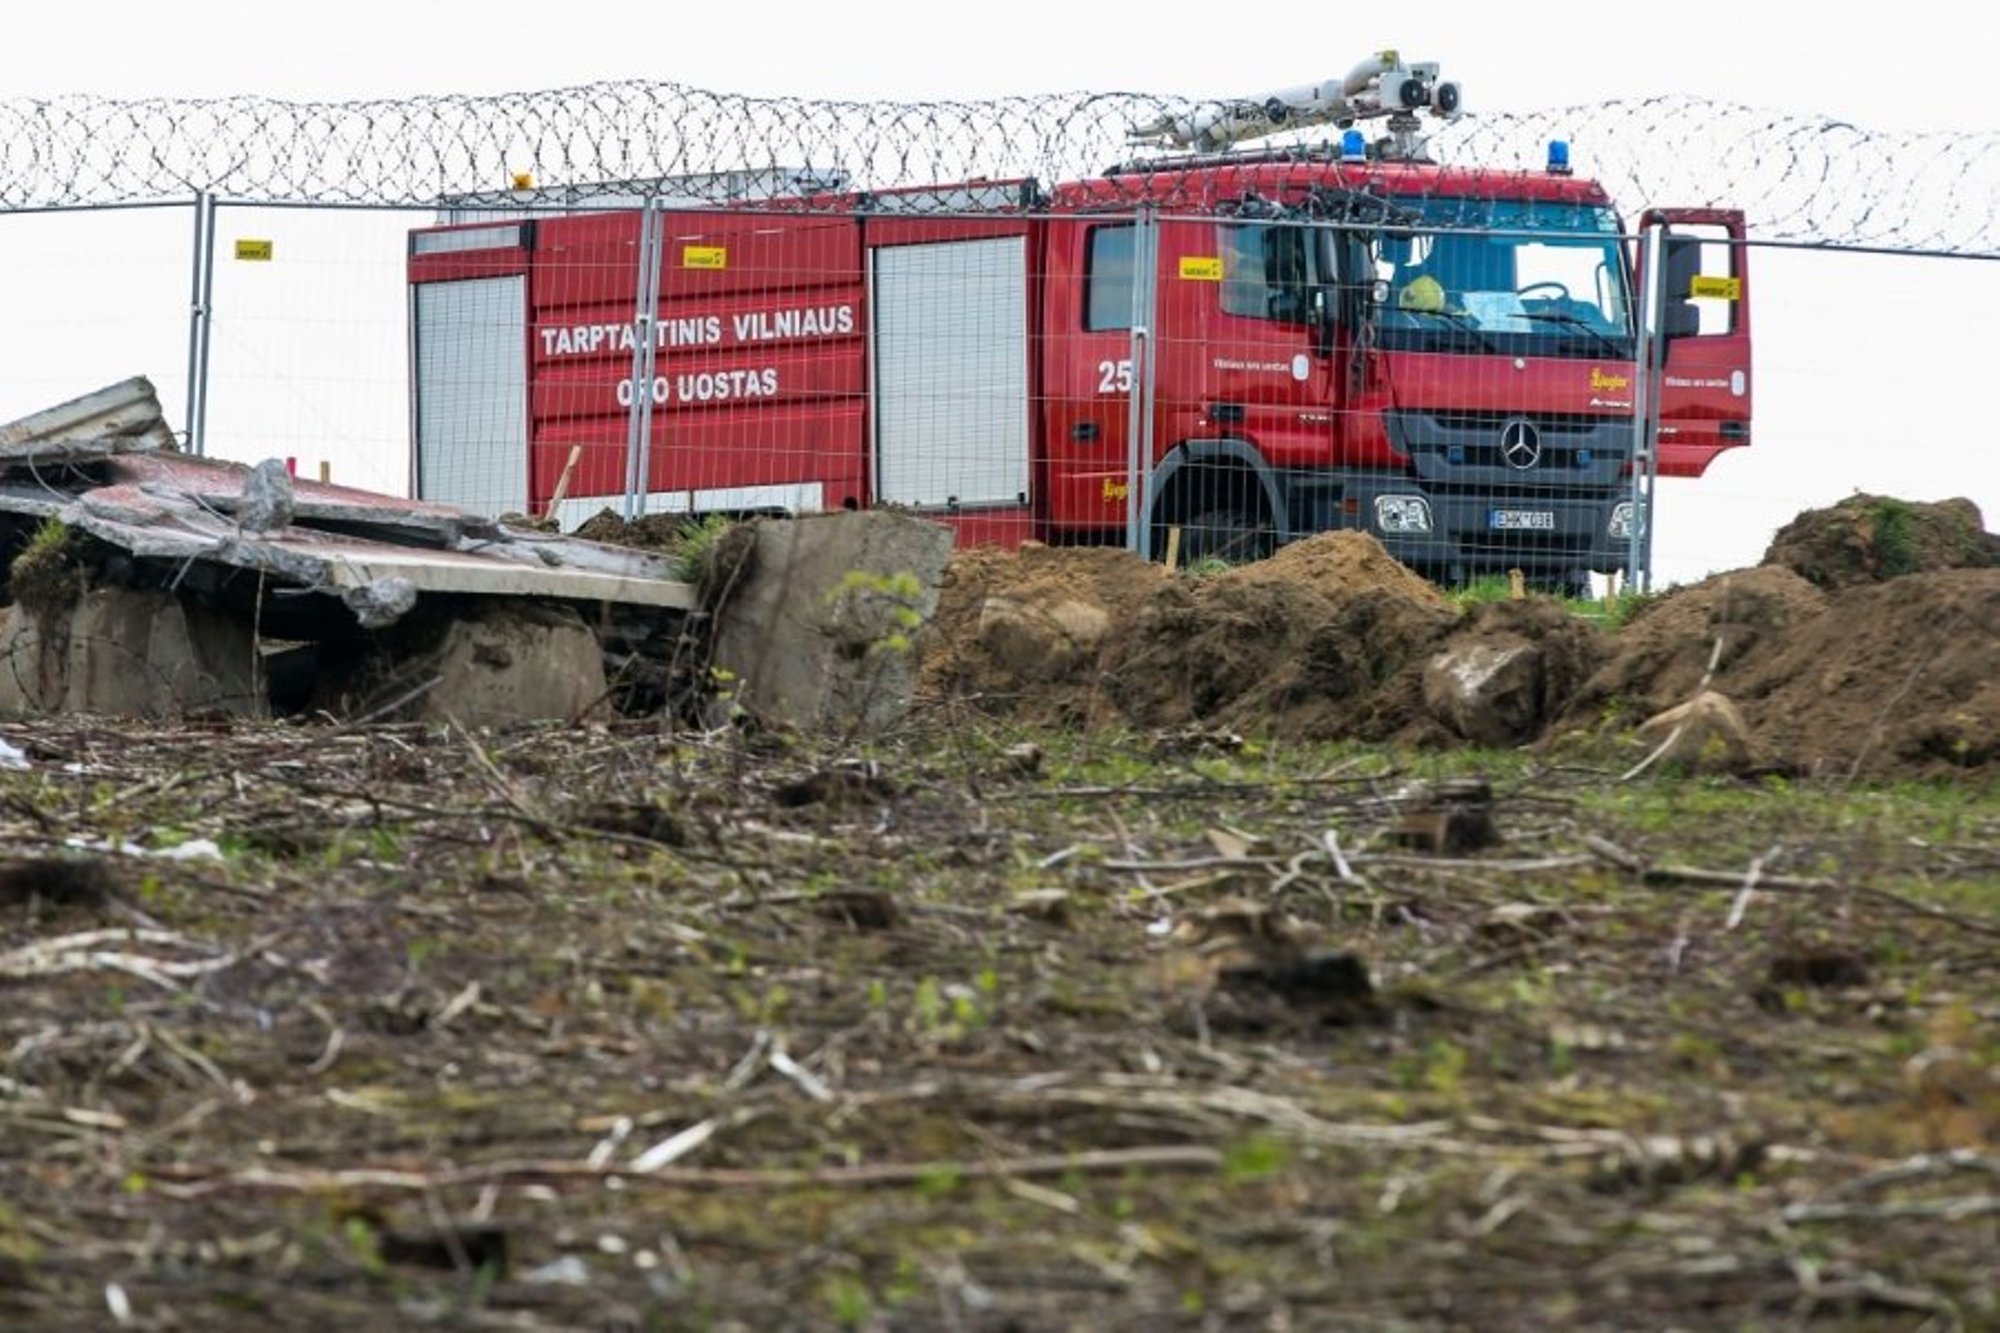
{"points": [[1465, 447], [1555, 457], [1492, 423], [1521, 486]]}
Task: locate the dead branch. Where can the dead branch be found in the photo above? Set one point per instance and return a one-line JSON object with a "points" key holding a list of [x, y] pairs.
{"points": [[187, 1182], [1667, 874]]}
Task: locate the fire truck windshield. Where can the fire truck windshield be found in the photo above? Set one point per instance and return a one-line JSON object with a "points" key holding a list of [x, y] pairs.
{"points": [[1521, 277]]}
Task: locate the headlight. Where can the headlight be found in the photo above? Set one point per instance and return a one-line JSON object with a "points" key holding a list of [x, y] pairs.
{"points": [[1622, 520], [1402, 513]]}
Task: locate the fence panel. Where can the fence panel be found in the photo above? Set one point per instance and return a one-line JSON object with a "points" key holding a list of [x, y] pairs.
{"points": [[1873, 375], [309, 341], [94, 296]]}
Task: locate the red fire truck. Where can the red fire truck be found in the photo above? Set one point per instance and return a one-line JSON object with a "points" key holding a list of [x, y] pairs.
{"points": [[1233, 347]]}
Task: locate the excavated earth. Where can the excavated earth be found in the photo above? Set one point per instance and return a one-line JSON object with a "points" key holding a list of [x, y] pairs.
{"points": [[1863, 646]]}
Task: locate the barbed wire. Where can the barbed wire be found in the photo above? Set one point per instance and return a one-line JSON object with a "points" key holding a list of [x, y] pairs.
{"points": [[1802, 179]]}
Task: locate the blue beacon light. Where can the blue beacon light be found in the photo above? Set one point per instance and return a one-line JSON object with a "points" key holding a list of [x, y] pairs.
{"points": [[1353, 146], [1558, 157]]}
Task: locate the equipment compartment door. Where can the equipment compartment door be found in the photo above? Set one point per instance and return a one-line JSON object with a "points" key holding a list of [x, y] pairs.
{"points": [[951, 373], [470, 367]]}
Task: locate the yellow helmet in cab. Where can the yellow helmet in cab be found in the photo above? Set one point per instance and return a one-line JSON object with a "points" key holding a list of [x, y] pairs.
{"points": [[1426, 293]]}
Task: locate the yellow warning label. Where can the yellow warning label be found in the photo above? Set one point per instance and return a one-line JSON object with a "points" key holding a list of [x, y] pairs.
{"points": [[1201, 268], [704, 256], [1727, 289], [257, 250]]}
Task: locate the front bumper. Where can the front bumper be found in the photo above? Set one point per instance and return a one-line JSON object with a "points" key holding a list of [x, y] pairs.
{"points": [[1545, 535]]}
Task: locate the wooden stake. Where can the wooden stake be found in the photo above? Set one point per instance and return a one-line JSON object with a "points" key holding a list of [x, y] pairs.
{"points": [[1517, 584], [325, 471], [562, 482], [1174, 546]]}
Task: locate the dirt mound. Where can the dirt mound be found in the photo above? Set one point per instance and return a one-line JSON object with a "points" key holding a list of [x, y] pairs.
{"points": [[1293, 645], [1020, 635], [1337, 564], [1878, 680], [1894, 678], [1261, 655], [1331, 638], [647, 532], [1869, 538], [1731, 624]]}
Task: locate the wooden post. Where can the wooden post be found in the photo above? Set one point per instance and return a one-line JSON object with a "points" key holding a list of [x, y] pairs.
{"points": [[562, 482], [1517, 584], [325, 471], [1174, 546]]}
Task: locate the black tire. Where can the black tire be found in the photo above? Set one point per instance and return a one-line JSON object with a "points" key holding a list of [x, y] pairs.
{"points": [[1232, 534]]}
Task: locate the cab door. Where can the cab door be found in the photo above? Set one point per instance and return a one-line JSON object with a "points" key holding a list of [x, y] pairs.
{"points": [[1087, 372], [1266, 367], [1704, 394]]}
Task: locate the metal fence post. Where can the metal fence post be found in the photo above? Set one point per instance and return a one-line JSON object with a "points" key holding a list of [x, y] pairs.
{"points": [[1646, 410], [1139, 404], [200, 303], [645, 317]]}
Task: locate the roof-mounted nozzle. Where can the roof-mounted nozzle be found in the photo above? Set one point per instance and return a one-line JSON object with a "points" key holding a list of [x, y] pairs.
{"points": [[1381, 86]]}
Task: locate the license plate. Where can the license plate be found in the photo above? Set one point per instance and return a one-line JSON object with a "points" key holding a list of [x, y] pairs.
{"points": [[1522, 520]]}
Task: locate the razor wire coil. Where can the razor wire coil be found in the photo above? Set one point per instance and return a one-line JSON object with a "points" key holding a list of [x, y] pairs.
{"points": [[1801, 179]]}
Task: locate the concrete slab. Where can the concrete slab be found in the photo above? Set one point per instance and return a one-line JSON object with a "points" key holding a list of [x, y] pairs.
{"points": [[172, 507], [121, 418]]}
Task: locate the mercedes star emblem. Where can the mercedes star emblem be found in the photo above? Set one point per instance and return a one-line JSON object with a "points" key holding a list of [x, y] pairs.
{"points": [[1520, 445]]}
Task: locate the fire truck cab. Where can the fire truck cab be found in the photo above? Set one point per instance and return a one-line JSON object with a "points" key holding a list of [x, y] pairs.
{"points": [[1446, 357]]}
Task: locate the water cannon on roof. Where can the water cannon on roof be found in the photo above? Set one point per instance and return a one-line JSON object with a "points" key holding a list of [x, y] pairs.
{"points": [[1380, 86]]}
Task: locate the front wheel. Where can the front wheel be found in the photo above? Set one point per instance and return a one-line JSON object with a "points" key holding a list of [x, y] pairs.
{"points": [[1233, 534]]}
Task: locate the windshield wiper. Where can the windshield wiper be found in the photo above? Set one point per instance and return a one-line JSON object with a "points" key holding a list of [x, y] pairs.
{"points": [[1460, 320], [1568, 320]]}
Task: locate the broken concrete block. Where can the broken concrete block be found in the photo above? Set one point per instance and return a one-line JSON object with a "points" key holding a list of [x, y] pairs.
{"points": [[1489, 691], [134, 652], [1707, 734], [500, 664], [824, 630]]}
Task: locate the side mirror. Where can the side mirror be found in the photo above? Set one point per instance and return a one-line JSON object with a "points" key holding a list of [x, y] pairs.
{"points": [[1683, 262]]}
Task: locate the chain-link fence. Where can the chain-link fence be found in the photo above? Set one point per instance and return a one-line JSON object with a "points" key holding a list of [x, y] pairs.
{"points": [[1196, 357]]}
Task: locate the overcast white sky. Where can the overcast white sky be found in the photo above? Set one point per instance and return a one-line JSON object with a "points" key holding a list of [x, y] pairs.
{"points": [[1861, 386], [1916, 64]]}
